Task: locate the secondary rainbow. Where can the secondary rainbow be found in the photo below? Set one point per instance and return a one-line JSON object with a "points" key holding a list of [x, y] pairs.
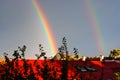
{"points": [[46, 26], [95, 25]]}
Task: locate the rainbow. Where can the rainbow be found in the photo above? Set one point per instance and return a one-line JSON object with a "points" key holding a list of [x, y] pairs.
{"points": [[46, 26], [95, 25]]}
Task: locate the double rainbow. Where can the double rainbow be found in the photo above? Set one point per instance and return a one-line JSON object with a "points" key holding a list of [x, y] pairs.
{"points": [[92, 19], [46, 26]]}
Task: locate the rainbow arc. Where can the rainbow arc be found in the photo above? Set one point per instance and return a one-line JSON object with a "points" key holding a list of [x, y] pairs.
{"points": [[94, 22], [46, 26]]}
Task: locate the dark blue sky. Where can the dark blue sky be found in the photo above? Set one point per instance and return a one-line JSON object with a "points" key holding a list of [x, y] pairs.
{"points": [[19, 25]]}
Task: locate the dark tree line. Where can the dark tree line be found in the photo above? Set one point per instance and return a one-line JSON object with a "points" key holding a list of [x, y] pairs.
{"points": [[11, 70]]}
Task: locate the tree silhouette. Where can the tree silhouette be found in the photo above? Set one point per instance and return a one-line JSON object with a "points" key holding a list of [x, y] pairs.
{"points": [[115, 53], [6, 58], [16, 55], [75, 51], [42, 53], [19, 68], [64, 41], [23, 49], [65, 62]]}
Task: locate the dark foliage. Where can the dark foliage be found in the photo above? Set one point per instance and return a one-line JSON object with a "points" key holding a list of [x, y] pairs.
{"points": [[20, 68]]}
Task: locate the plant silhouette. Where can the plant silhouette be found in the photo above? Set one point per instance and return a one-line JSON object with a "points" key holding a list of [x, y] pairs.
{"points": [[20, 68]]}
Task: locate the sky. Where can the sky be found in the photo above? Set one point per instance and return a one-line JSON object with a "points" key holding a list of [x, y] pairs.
{"points": [[86, 24]]}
